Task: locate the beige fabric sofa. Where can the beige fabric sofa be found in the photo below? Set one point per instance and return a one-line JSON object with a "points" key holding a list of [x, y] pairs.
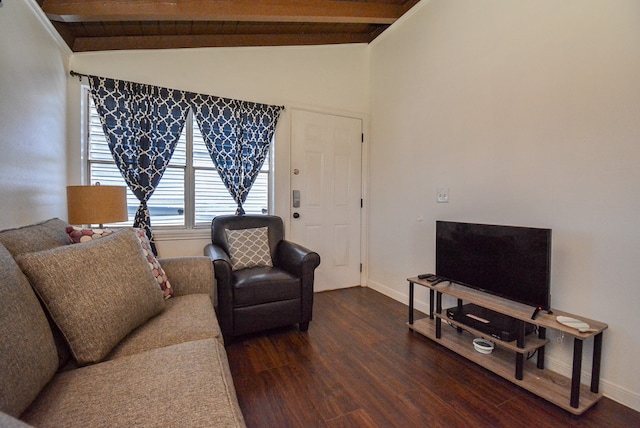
{"points": [[170, 370]]}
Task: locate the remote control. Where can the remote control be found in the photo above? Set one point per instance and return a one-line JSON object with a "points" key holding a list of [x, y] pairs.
{"points": [[429, 277], [535, 313]]}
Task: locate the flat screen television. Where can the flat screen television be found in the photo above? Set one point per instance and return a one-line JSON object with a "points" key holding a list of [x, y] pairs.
{"points": [[507, 261]]}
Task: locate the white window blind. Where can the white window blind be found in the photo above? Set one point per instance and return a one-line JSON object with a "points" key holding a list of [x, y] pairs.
{"points": [[190, 192]]}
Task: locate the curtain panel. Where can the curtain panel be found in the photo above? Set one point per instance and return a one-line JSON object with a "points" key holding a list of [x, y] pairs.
{"points": [[144, 122], [237, 135]]}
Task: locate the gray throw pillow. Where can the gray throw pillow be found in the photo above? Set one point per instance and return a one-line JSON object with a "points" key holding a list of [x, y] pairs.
{"points": [[97, 292], [249, 247]]}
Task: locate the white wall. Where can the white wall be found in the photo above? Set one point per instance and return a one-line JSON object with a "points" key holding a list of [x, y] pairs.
{"points": [[526, 110], [529, 112], [32, 118], [333, 78]]}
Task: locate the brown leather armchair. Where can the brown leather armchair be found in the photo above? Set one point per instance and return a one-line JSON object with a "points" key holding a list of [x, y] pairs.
{"points": [[260, 298]]}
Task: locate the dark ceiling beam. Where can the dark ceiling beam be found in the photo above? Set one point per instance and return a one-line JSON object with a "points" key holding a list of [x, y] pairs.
{"points": [[87, 44], [222, 10]]}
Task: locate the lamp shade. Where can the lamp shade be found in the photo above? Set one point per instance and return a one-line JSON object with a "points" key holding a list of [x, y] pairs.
{"points": [[96, 204]]}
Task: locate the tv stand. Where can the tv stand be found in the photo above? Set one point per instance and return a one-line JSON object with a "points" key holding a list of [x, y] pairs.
{"points": [[570, 394]]}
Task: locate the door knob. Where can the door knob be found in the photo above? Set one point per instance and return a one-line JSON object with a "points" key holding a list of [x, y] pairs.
{"points": [[296, 215]]}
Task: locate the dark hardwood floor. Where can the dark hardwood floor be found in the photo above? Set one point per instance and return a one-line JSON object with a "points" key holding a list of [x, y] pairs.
{"points": [[360, 366]]}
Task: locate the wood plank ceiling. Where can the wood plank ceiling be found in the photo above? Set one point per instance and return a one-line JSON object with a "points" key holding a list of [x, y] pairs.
{"points": [[97, 25]]}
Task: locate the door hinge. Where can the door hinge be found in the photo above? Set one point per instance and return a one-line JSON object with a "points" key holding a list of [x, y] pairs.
{"points": [[360, 267], [362, 137], [361, 203]]}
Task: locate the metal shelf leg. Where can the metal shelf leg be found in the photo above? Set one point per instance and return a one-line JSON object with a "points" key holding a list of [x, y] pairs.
{"points": [[575, 377]]}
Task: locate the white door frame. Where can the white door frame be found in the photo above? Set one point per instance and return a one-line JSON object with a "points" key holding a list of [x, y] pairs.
{"points": [[281, 178]]}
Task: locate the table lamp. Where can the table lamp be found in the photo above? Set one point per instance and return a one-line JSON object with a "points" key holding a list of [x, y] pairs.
{"points": [[96, 204]]}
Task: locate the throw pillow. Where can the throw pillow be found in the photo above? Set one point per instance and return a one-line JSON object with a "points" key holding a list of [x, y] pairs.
{"points": [[249, 247], [158, 273], [97, 292], [79, 235]]}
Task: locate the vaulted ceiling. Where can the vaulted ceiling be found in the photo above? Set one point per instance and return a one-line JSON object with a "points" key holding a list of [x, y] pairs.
{"points": [[97, 25]]}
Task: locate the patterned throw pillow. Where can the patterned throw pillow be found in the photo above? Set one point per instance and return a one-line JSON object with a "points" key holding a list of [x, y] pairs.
{"points": [[154, 264], [79, 235], [249, 247]]}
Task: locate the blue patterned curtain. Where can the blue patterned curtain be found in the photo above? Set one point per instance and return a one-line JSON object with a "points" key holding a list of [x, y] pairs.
{"points": [[237, 135], [143, 124]]}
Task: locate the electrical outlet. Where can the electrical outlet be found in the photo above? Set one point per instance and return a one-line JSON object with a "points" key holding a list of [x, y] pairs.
{"points": [[443, 195]]}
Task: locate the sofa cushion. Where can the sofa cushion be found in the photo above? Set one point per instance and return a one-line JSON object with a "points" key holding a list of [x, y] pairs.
{"points": [[78, 235], [253, 286], [187, 384], [249, 247], [185, 318], [36, 237], [97, 292], [191, 275], [28, 357]]}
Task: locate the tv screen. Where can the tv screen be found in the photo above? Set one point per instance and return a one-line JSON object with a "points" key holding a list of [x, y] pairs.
{"points": [[508, 261]]}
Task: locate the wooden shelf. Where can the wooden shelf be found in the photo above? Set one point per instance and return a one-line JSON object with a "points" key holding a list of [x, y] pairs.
{"points": [[513, 309], [566, 393], [532, 342], [549, 385]]}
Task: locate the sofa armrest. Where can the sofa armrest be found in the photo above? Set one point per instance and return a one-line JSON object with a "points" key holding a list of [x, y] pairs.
{"points": [[222, 267], [190, 275]]}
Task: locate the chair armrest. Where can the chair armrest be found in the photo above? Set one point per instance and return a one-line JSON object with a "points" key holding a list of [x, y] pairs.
{"points": [[296, 259], [301, 262], [190, 275], [216, 253], [220, 259]]}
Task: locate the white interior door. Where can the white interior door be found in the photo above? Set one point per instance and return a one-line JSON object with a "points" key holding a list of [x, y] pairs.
{"points": [[326, 165]]}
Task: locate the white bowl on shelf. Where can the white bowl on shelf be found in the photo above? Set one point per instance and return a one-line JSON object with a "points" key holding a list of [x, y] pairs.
{"points": [[483, 346]]}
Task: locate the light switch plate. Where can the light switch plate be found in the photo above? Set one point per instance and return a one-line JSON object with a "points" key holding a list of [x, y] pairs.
{"points": [[443, 195]]}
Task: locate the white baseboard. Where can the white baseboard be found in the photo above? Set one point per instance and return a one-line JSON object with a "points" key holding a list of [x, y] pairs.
{"points": [[610, 390], [390, 292]]}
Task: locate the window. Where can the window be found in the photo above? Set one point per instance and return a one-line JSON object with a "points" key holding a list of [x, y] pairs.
{"points": [[190, 193]]}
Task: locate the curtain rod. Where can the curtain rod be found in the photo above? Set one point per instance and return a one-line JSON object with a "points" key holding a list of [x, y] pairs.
{"points": [[80, 76]]}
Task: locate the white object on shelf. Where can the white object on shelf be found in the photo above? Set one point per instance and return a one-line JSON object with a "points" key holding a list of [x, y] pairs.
{"points": [[483, 346], [581, 326]]}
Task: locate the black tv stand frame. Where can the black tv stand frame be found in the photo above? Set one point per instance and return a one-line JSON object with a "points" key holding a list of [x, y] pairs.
{"points": [[547, 384]]}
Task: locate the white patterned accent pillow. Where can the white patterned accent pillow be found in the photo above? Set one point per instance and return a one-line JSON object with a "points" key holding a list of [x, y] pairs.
{"points": [[249, 247]]}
